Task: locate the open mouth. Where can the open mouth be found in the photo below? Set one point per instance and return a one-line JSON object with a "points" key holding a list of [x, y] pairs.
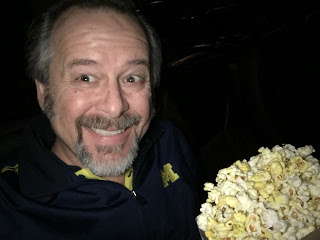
{"points": [[106, 133]]}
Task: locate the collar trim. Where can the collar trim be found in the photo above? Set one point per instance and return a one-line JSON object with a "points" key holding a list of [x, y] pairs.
{"points": [[128, 176]]}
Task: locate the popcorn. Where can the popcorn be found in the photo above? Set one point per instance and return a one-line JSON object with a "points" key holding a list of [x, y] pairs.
{"points": [[274, 195]]}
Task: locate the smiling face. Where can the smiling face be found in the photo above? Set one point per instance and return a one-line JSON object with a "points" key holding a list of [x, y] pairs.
{"points": [[98, 97]]}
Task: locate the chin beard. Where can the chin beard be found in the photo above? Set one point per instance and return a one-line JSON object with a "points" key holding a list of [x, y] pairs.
{"points": [[110, 161], [106, 165]]}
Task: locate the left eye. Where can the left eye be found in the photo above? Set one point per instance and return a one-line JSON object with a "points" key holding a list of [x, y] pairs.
{"points": [[86, 78], [133, 79]]}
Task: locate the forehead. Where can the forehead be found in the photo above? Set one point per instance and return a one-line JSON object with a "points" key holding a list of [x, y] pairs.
{"points": [[84, 21], [109, 39]]}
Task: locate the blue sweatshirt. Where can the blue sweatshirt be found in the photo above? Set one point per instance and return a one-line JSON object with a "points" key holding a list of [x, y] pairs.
{"points": [[41, 197]]}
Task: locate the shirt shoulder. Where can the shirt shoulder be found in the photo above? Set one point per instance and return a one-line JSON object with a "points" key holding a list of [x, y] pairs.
{"points": [[11, 158], [9, 169]]}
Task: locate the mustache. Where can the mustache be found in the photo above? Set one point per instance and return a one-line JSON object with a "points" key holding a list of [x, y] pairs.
{"points": [[97, 121]]}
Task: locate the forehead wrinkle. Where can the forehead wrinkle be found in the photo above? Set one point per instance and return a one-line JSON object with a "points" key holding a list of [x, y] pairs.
{"points": [[88, 62], [139, 62], [78, 62]]}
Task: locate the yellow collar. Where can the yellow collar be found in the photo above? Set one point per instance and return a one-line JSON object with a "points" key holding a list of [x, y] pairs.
{"points": [[128, 176]]}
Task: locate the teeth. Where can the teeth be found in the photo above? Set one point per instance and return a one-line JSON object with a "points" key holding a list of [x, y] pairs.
{"points": [[107, 133]]}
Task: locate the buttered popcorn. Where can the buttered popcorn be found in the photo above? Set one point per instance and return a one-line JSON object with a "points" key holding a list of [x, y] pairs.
{"points": [[275, 195]]}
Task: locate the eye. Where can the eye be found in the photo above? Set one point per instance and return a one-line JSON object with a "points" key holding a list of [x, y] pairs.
{"points": [[86, 78], [133, 79]]}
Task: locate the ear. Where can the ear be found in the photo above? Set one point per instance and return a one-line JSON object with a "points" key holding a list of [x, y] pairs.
{"points": [[40, 93]]}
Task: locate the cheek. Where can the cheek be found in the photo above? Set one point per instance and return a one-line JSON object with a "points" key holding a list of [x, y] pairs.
{"points": [[71, 104], [68, 108], [141, 105], [143, 109]]}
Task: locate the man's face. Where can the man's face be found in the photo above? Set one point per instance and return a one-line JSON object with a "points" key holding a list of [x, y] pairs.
{"points": [[98, 98]]}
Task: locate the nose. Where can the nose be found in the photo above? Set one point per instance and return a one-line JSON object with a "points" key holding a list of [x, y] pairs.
{"points": [[111, 100]]}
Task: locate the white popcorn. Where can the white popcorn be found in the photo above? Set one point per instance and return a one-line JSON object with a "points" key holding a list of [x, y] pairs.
{"points": [[224, 213], [246, 203], [208, 186], [290, 234], [202, 222], [305, 151], [295, 181], [303, 190], [213, 196], [272, 221], [208, 209], [253, 224], [230, 188], [274, 195], [281, 226], [314, 190]]}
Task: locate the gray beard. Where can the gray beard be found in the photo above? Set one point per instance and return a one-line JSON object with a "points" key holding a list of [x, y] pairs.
{"points": [[104, 167]]}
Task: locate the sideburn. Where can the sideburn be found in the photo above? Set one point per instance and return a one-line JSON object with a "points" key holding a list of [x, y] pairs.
{"points": [[48, 103]]}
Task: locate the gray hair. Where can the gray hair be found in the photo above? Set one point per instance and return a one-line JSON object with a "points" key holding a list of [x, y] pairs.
{"points": [[39, 51]]}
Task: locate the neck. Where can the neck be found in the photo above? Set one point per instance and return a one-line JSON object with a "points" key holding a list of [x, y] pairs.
{"points": [[70, 159]]}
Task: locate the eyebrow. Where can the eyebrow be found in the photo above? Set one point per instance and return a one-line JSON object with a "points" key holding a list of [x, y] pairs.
{"points": [[139, 62], [80, 62], [88, 62]]}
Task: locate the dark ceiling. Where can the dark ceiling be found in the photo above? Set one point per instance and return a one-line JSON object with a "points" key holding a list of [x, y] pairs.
{"points": [[237, 75]]}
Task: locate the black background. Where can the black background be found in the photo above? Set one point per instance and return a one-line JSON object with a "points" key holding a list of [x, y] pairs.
{"points": [[237, 75]]}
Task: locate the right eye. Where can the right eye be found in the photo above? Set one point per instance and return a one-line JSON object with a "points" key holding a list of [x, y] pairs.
{"points": [[86, 78]]}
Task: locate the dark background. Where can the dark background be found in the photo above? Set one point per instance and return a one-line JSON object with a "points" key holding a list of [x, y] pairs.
{"points": [[237, 75]]}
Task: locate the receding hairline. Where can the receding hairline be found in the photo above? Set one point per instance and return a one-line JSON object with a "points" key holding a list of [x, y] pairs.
{"points": [[67, 14]]}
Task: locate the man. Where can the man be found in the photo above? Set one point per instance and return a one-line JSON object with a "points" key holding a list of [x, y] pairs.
{"points": [[97, 164]]}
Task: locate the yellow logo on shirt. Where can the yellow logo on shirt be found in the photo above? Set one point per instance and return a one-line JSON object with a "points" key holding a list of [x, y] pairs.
{"points": [[14, 168], [168, 175]]}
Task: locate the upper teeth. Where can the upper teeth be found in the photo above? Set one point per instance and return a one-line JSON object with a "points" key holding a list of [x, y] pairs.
{"points": [[107, 133]]}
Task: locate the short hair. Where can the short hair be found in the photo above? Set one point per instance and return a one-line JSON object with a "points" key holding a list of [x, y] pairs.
{"points": [[39, 51]]}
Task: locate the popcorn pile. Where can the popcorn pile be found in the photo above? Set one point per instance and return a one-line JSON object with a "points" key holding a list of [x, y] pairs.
{"points": [[274, 195]]}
